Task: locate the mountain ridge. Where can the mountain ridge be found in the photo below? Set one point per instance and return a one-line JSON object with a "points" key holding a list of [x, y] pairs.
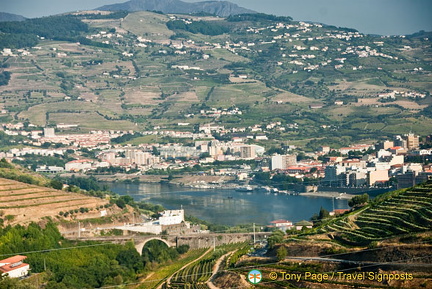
{"points": [[219, 8], [5, 17]]}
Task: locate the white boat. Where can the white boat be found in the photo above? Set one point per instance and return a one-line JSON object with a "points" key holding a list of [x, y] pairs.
{"points": [[244, 189]]}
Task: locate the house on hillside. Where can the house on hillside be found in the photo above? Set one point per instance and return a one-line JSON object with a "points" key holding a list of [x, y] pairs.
{"points": [[282, 225], [14, 267]]}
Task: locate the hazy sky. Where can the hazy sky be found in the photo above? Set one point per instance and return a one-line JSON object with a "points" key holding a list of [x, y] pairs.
{"points": [[387, 17]]}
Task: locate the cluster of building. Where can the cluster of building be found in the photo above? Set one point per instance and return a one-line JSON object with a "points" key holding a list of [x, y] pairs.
{"points": [[407, 94], [355, 167], [159, 156], [377, 169], [37, 137]]}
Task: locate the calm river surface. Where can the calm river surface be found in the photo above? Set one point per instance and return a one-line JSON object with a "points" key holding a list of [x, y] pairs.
{"points": [[228, 207]]}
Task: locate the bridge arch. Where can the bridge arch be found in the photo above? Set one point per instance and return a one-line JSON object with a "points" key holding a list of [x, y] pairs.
{"points": [[140, 246]]}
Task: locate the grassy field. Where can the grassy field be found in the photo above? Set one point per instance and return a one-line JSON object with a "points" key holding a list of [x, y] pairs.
{"points": [[148, 25]]}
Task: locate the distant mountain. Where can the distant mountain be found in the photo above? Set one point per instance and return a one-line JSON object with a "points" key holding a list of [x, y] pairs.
{"points": [[10, 17], [219, 8]]}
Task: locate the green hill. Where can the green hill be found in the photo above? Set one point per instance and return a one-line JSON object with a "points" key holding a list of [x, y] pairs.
{"points": [[139, 70], [397, 213]]}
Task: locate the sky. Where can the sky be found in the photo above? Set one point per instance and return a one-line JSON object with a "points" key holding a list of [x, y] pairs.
{"points": [[384, 17]]}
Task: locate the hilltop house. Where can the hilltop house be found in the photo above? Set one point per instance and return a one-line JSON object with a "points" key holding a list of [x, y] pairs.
{"points": [[14, 267]]}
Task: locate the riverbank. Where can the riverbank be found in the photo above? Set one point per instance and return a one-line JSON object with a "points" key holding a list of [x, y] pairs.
{"points": [[336, 195], [229, 207]]}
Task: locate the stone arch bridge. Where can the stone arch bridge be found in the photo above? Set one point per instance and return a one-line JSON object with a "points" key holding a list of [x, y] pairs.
{"points": [[195, 241]]}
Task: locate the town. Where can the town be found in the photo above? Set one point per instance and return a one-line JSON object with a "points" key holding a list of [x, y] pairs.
{"points": [[400, 162], [205, 145]]}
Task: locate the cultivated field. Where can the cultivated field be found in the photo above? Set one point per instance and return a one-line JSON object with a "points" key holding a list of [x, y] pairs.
{"points": [[22, 203]]}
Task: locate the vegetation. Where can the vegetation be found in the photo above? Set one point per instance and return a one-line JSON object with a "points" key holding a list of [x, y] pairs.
{"points": [[8, 171], [52, 27], [11, 40], [281, 253], [72, 264], [391, 214], [276, 88], [203, 27], [200, 271], [275, 238], [258, 17], [358, 200], [4, 76], [34, 161]]}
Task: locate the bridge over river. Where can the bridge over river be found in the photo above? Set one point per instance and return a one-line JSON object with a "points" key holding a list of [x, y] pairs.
{"points": [[195, 241]]}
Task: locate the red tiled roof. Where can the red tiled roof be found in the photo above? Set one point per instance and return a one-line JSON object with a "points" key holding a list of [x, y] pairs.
{"points": [[9, 262], [80, 161], [13, 259], [279, 222], [396, 148], [8, 268]]}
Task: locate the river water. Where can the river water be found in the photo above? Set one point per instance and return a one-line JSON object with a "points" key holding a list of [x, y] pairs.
{"points": [[229, 207]]}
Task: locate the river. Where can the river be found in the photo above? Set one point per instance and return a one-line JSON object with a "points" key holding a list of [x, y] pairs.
{"points": [[229, 207]]}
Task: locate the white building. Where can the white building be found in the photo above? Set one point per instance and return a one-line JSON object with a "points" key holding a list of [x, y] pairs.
{"points": [[49, 132], [79, 165], [14, 267], [171, 217]]}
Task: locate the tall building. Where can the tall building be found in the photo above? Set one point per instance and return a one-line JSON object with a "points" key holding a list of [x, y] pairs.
{"points": [[282, 162], [247, 152], [412, 141]]}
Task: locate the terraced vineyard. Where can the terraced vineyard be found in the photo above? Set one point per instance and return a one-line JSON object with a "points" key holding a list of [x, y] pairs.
{"points": [[23, 203], [197, 274], [395, 213]]}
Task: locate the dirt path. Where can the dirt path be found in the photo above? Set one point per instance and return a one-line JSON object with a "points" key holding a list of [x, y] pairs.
{"points": [[216, 269], [143, 280], [168, 281]]}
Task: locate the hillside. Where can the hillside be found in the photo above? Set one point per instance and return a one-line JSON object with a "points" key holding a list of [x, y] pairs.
{"points": [[10, 17], [140, 70], [385, 244], [219, 8], [393, 214], [22, 203]]}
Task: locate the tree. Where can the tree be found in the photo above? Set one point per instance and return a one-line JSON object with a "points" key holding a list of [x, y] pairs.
{"points": [[358, 200], [131, 259], [14, 283], [120, 203], [4, 164], [56, 184], [281, 253], [323, 214], [275, 238]]}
